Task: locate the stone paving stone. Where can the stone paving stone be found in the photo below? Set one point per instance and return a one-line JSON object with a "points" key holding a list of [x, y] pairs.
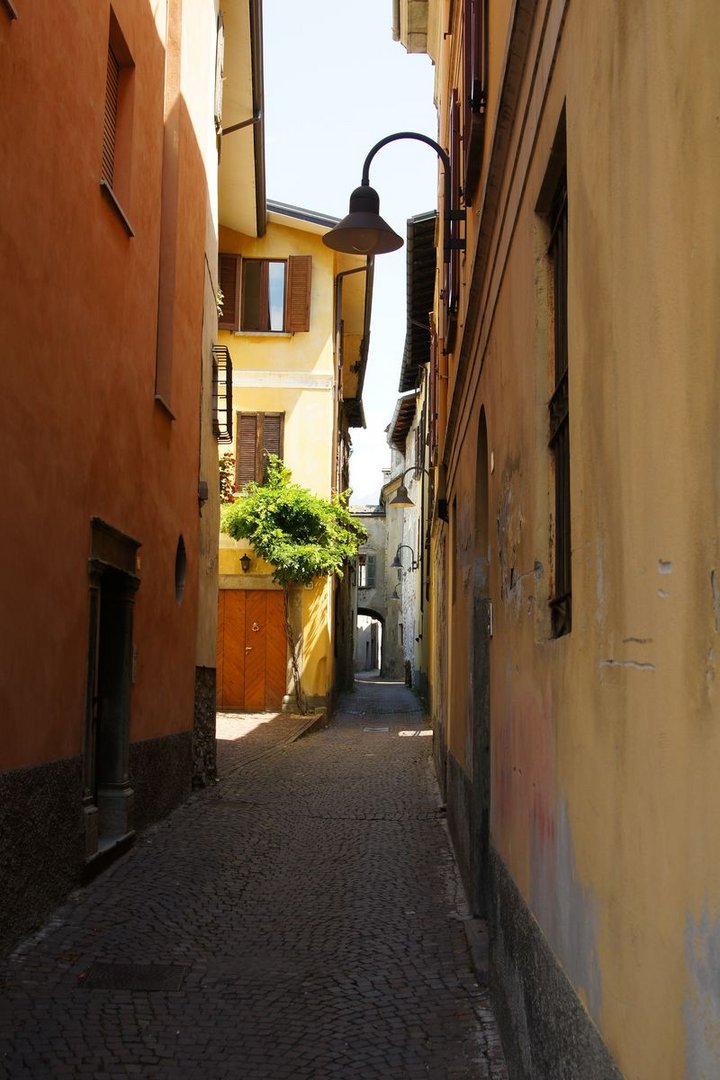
{"points": [[310, 901]]}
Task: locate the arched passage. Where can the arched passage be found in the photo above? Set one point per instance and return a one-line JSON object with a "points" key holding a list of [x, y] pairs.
{"points": [[369, 632]]}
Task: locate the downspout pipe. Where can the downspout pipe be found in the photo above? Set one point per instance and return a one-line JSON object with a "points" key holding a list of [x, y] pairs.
{"points": [[258, 108]]}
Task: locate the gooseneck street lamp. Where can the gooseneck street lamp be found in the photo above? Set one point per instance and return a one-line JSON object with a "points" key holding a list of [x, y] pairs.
{"points": [[397, 561], [364, 232], [401, 497]]}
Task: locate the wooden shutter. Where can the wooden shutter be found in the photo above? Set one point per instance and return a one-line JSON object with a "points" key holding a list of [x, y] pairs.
{"points": [[370, 579], [297, 295], [229, 277], [272, 438], [112, 91], [475, 91], [246, 457], [452, 265], [433, 400]]}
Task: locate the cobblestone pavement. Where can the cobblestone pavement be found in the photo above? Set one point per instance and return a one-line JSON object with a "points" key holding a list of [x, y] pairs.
{"points": [[302, 918]]}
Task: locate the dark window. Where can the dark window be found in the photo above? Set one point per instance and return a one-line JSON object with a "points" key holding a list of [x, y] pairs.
{"points": [[366, 571], [561, 600], [222, 394], [258, 434], [265, 295]]}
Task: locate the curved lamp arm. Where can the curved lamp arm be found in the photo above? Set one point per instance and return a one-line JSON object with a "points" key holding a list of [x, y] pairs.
{"points": [[363, 231], [401, 497], [397, 561]]}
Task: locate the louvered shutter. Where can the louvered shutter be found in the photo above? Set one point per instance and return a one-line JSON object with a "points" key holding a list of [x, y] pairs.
{"points": [[370, 578], [229, 276], [246, 457], [112, 90], [474, 96], [272, 438], [433, 396], [297, 296], [452, 266]]}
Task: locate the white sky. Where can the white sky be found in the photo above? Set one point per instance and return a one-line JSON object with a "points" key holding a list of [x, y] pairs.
{"points": [[335, 84]]}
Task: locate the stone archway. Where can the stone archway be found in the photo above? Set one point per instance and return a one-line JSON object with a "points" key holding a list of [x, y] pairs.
{"points": [[369, 641]]}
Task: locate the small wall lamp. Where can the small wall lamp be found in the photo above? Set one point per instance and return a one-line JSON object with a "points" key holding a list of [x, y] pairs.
{"points": [[245, 562], [397, 561]]}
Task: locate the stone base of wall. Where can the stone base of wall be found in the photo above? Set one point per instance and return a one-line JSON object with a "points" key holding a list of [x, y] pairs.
{"points": [[42, 843], [547, 1033], [204, 752], [161, 774]]}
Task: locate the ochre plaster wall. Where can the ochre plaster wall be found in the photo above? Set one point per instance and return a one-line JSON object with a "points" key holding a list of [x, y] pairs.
{"points": [[310, 415], [605, 806]]}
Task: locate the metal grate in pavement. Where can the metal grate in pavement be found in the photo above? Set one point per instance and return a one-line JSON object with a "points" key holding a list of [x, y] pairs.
{"points": [[103, 975]]}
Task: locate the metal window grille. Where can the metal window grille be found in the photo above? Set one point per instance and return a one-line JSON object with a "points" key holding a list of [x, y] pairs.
{"points": [[222, 394], [561, 601]]}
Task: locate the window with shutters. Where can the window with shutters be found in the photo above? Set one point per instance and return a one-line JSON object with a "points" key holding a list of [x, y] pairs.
{"points": [[475, 91], [258, 434], [115, 159], [265, 296], [366, 570]]}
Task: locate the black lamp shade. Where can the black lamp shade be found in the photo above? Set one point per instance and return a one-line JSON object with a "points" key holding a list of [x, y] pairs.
{"points": [[363, 231], [401, 497]]}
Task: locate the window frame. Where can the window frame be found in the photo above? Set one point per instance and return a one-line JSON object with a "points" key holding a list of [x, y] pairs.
{"points": [[116, 150], [297, 293]]}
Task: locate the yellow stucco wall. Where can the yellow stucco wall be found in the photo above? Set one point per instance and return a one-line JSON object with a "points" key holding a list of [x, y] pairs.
{"points": [[293, 374], [606, 743]]}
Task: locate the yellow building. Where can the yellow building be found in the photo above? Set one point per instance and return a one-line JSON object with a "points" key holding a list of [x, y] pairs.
{"points": [[576, 599], [295, 326]]}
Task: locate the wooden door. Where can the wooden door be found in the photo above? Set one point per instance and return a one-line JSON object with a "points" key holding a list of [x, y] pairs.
{"points": [[252, 650]]}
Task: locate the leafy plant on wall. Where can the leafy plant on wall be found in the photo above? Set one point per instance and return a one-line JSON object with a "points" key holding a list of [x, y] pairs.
{"points": [[301, 535]]}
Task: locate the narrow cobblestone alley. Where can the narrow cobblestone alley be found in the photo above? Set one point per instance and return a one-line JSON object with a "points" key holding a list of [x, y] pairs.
{"points": [[303, 918]]}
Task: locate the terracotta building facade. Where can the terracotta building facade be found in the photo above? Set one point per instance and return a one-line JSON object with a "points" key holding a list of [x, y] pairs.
{"points": [[108, 314]]}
